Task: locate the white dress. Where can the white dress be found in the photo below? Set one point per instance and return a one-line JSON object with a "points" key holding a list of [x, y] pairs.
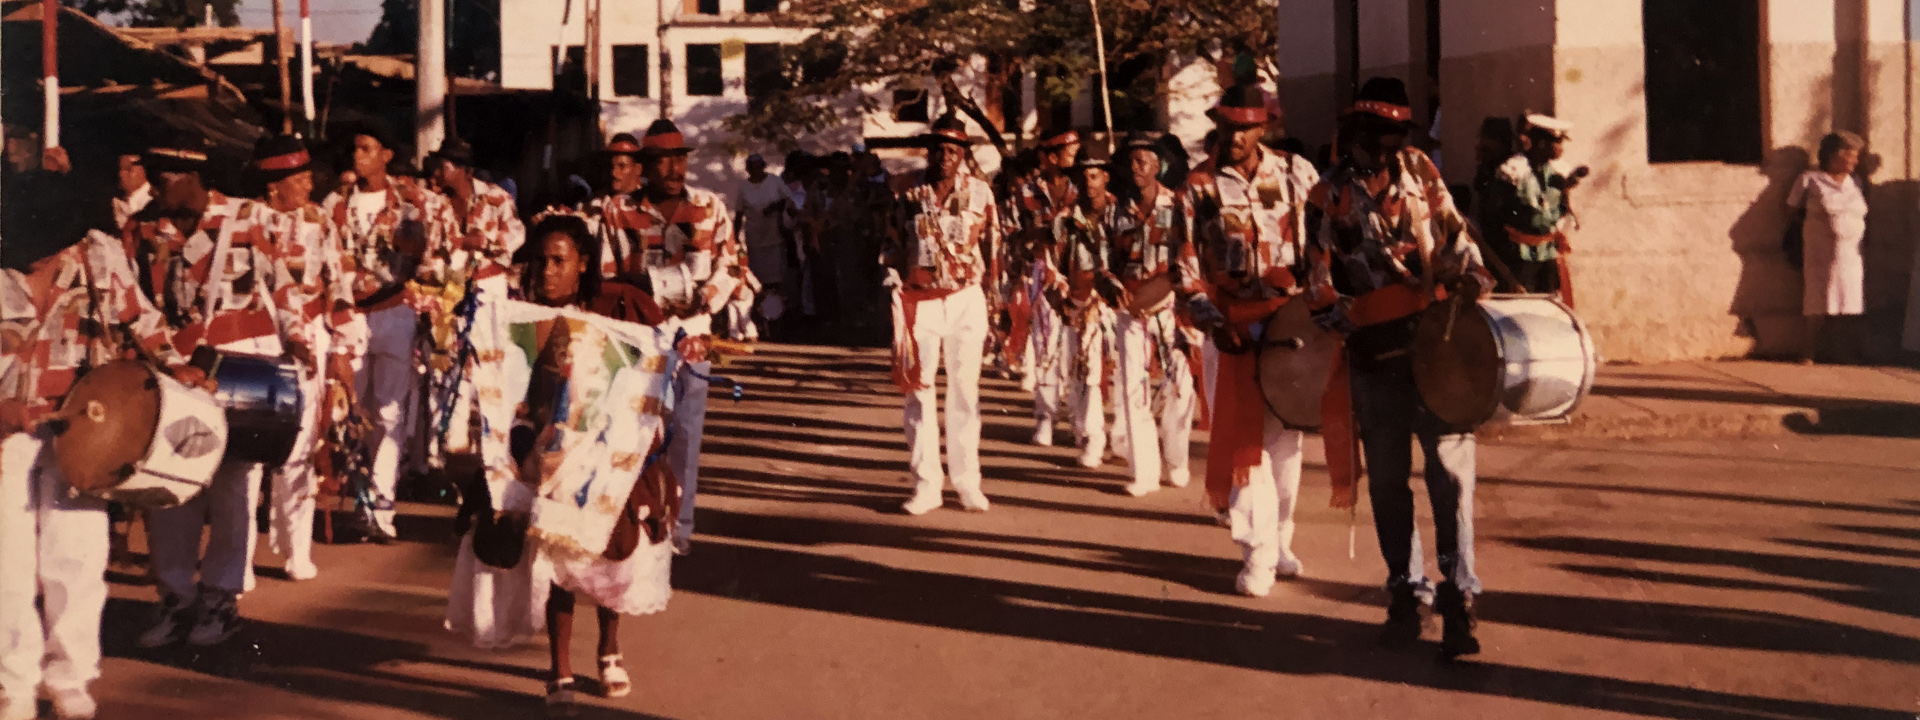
{"points": [[1836, 223], [638, 585]]}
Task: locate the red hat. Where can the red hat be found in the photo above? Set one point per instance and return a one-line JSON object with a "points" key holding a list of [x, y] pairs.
{"points": [[664, 138], [947, 129], [622, 144], [1241, 106], [1385, 98], [1059, 138]]}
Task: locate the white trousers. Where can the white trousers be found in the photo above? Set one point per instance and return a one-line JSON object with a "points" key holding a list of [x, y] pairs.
{"points": [[296, 483], [1078, 364], [385, 379], [1261, 512], [54, 544], [1137, 341], [956, 324], [225, 510], [689, 424]]}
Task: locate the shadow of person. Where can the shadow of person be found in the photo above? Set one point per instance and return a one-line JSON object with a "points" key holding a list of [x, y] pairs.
{"points": [[1767, 296]]}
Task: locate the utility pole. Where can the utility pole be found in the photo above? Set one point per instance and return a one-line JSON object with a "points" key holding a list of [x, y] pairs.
{"points": [[306, 63], [430, 80], [666, 61], [280, 60], [50, 70]]}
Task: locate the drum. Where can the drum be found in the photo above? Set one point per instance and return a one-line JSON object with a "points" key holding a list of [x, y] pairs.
{"points": [[138, 436], [1515, 359], [1151, 295], [1295, 358], [262, 399]]}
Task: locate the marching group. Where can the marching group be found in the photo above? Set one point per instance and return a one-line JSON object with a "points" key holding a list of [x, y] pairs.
{"points": [[1144, 276]]}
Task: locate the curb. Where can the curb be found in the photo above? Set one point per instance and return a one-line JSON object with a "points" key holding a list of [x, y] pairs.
{"points": [[1746, 421]]}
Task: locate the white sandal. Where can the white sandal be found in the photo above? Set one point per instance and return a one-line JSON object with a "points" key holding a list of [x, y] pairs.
{"points": [[614, 682]]}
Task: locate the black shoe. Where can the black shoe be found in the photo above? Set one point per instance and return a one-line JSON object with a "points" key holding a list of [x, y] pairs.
{"points": [[1456, 622], [1403, 624]]}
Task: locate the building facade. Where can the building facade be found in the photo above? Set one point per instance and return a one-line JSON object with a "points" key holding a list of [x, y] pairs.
{"points": [[1694, 117]]}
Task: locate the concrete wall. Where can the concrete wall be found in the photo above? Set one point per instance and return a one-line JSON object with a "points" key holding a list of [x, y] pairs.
{"points": [[1309, 85]]}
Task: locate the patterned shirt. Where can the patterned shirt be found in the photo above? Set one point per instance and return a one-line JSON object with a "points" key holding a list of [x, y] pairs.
{"points": [[1151, 239], [492, 216], [376, 267], [1081, 252], [312, 278], [1529, 200], [91, 311], [692, 257], [615, 219], [944, 244], [1384, 240], [1251, 231], [215, 286]]}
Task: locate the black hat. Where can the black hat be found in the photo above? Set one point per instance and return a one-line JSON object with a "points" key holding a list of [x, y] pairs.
{"points": [[949, 129], [664, 138], [276, 157], [622, 144], [454, 150], [373, 130], [181, 152], [1383, 98], [1242, 106], [1144, 140], [1093, 155]]}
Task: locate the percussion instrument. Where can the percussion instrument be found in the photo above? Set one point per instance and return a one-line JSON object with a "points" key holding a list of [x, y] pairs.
{"points": [[1150, 295], [138, 436], [1295, 357], [1518, 359], [263, 406]]}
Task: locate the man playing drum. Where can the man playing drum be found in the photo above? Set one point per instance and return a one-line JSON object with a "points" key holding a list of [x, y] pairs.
{"points": [[385, 227], [212, 274], [1153, 259], [940, 251], [1398, 241], [1249, 224], [687, 254], [1041, 201], [313, 297], [63, 308]]}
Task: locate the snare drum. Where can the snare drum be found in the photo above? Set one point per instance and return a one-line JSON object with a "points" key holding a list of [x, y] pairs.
{"points": [[263, 406], [1295, 360], [139, 436], [1517, 359]]}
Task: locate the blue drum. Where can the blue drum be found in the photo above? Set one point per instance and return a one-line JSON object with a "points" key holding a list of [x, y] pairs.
{"points": [[261, 396]]}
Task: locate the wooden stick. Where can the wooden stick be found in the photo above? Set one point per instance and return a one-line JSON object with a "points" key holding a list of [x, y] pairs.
{"points": [[50, 66]]}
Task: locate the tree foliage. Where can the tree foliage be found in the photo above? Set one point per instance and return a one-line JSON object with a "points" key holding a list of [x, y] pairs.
{"points": [[161, 13], [859, 46]]}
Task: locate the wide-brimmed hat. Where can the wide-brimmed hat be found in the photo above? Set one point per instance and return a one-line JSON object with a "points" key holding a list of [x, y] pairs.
{"points": [[664, 138], [453, 150], [1383, 99], [180, 152], [1093, 155], [1559, 129], [622, 144], [947, 129], [1059, 138], [277, 157], [1242, 106]]}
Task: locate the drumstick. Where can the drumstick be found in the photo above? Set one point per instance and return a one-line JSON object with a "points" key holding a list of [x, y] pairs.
{"points": [[1453, 309]]}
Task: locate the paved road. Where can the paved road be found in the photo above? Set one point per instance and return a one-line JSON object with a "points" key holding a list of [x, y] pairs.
{"points": [[1767, 578]]}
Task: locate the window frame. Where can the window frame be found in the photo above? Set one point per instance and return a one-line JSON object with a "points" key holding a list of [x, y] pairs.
{"points": [[719, 70]]}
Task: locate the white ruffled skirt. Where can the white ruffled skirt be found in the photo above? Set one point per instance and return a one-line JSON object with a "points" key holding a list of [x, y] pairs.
{"points": [[638, 585]]}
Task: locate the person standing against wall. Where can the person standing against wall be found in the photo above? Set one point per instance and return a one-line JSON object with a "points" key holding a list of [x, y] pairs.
{"points": [[1832, 211]]}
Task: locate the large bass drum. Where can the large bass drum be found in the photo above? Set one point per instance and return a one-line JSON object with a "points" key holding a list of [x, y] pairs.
{"points": [[1295, 359], [1516, 359], [263, 406], [139, 436]]}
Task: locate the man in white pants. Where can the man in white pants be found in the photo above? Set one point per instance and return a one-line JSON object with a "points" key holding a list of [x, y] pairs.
{"points": [[1084, 333], [1153, 253], [1249, 225], [940, 248], [53, 543], [311, 295], [385, 229], [1041, 202], [215, 275], [692, 263]]}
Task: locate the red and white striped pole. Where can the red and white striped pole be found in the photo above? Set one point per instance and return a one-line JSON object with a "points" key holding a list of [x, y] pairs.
{"points": [[50, 63], [306, 62]]}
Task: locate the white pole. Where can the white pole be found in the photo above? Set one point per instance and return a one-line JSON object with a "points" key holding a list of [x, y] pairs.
{"points": [[430, 81], [50, 70], [1100, 53], [306, 63]]}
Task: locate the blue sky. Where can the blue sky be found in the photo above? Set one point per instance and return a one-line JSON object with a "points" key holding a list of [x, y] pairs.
{"points": [[342, 21]]}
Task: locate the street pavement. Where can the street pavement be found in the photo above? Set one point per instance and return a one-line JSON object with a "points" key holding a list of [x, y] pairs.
{"points": [[1724, 578]]}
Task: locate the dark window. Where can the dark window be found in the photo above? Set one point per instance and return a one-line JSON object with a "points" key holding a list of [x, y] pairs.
{"points": [[570, 70], [703, 70], [631, 70], [766, 71], [706, 7], [761, 6], [1703, 80], [910, 106]]}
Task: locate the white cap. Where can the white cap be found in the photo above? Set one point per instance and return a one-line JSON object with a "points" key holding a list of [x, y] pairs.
{"points": [[1549, 123]]}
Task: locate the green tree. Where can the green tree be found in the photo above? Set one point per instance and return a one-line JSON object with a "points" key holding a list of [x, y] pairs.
{"points": [[862, 44], [161, 13]]}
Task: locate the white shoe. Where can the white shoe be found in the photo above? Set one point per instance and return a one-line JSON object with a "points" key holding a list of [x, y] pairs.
{"points": [[1089, 460], [922, 503], [1254, 584], [974, 501], [1290, 566], [614, 681], [72, 704], [301, 570], [1178, 477], [1043, 435], [1141, 490]]}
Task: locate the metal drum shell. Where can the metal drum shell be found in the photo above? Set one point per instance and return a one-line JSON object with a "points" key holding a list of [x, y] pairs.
{"points": [[1505, 362], [263, 407]]}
